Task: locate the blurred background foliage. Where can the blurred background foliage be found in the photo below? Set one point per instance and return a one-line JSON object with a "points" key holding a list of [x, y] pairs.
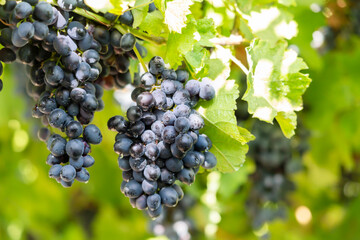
{"points": [[325, 204]]}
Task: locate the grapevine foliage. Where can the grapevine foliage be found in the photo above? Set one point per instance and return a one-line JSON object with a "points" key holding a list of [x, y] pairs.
{"points": [[75, 49]]}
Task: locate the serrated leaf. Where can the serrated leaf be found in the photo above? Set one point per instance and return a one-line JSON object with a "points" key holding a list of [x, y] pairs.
{"points": [[180, 43], [140, 13], [176, 14], [275, 83], [272, 24], [154, 24]]}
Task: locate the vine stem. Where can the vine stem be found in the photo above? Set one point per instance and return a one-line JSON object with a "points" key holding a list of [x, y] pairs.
{"points": [[235, 60], [140, 58], [120, 28]]}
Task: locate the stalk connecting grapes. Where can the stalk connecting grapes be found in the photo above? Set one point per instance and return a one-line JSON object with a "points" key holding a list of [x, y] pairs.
{"points": [[160, 142], [69, 60]]}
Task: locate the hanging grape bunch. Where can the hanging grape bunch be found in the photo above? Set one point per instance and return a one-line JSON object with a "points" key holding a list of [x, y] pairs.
{"points": [[276, 159], [69, 60], [160, 142]]}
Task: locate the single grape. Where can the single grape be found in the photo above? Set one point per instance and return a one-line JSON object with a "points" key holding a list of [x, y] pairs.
{"points": [[88, 161], [169, 134], [186, 175], [193, 87], [82, 175], [22, 10], [169, 196], [141, 202], [148, 118], [127, 18], [148, 136], [146, 101], [122, 147], [182, 124], [26, 30], [137, 164], [210, 161], [67, 173], [55, 170], [75, 148], [181, 96], [124, 164], [148, 80], [127, 42], [182, 110], [168, 87], [132, 189], [92, 134], [153, 202], [134, 114], [168, 118], [207, 91], [157, 127], [77, 163], [43, 134], [182, 75], [156, 65]]}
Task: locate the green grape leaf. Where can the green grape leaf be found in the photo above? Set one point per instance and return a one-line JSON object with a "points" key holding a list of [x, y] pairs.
{"points": [[196, 58], [229, 146], [176, 14], [180, 43], [140, 13], [154, 24], [272, 24], [275, 83], [206, 29], [190, 44], [229, 140]]}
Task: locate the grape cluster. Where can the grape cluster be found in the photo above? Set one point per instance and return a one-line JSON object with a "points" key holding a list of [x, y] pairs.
{"points": [[160, 142], [276, 158], [69, 59], [175, 223]]}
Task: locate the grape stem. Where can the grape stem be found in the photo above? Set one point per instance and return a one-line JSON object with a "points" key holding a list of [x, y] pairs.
{"points": [[140, 58], [235, 60]]}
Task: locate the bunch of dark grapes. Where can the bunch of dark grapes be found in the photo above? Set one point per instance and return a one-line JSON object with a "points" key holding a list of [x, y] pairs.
{"points": [[68, 58], [160, 142], [175, 223], [276, 158]]}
